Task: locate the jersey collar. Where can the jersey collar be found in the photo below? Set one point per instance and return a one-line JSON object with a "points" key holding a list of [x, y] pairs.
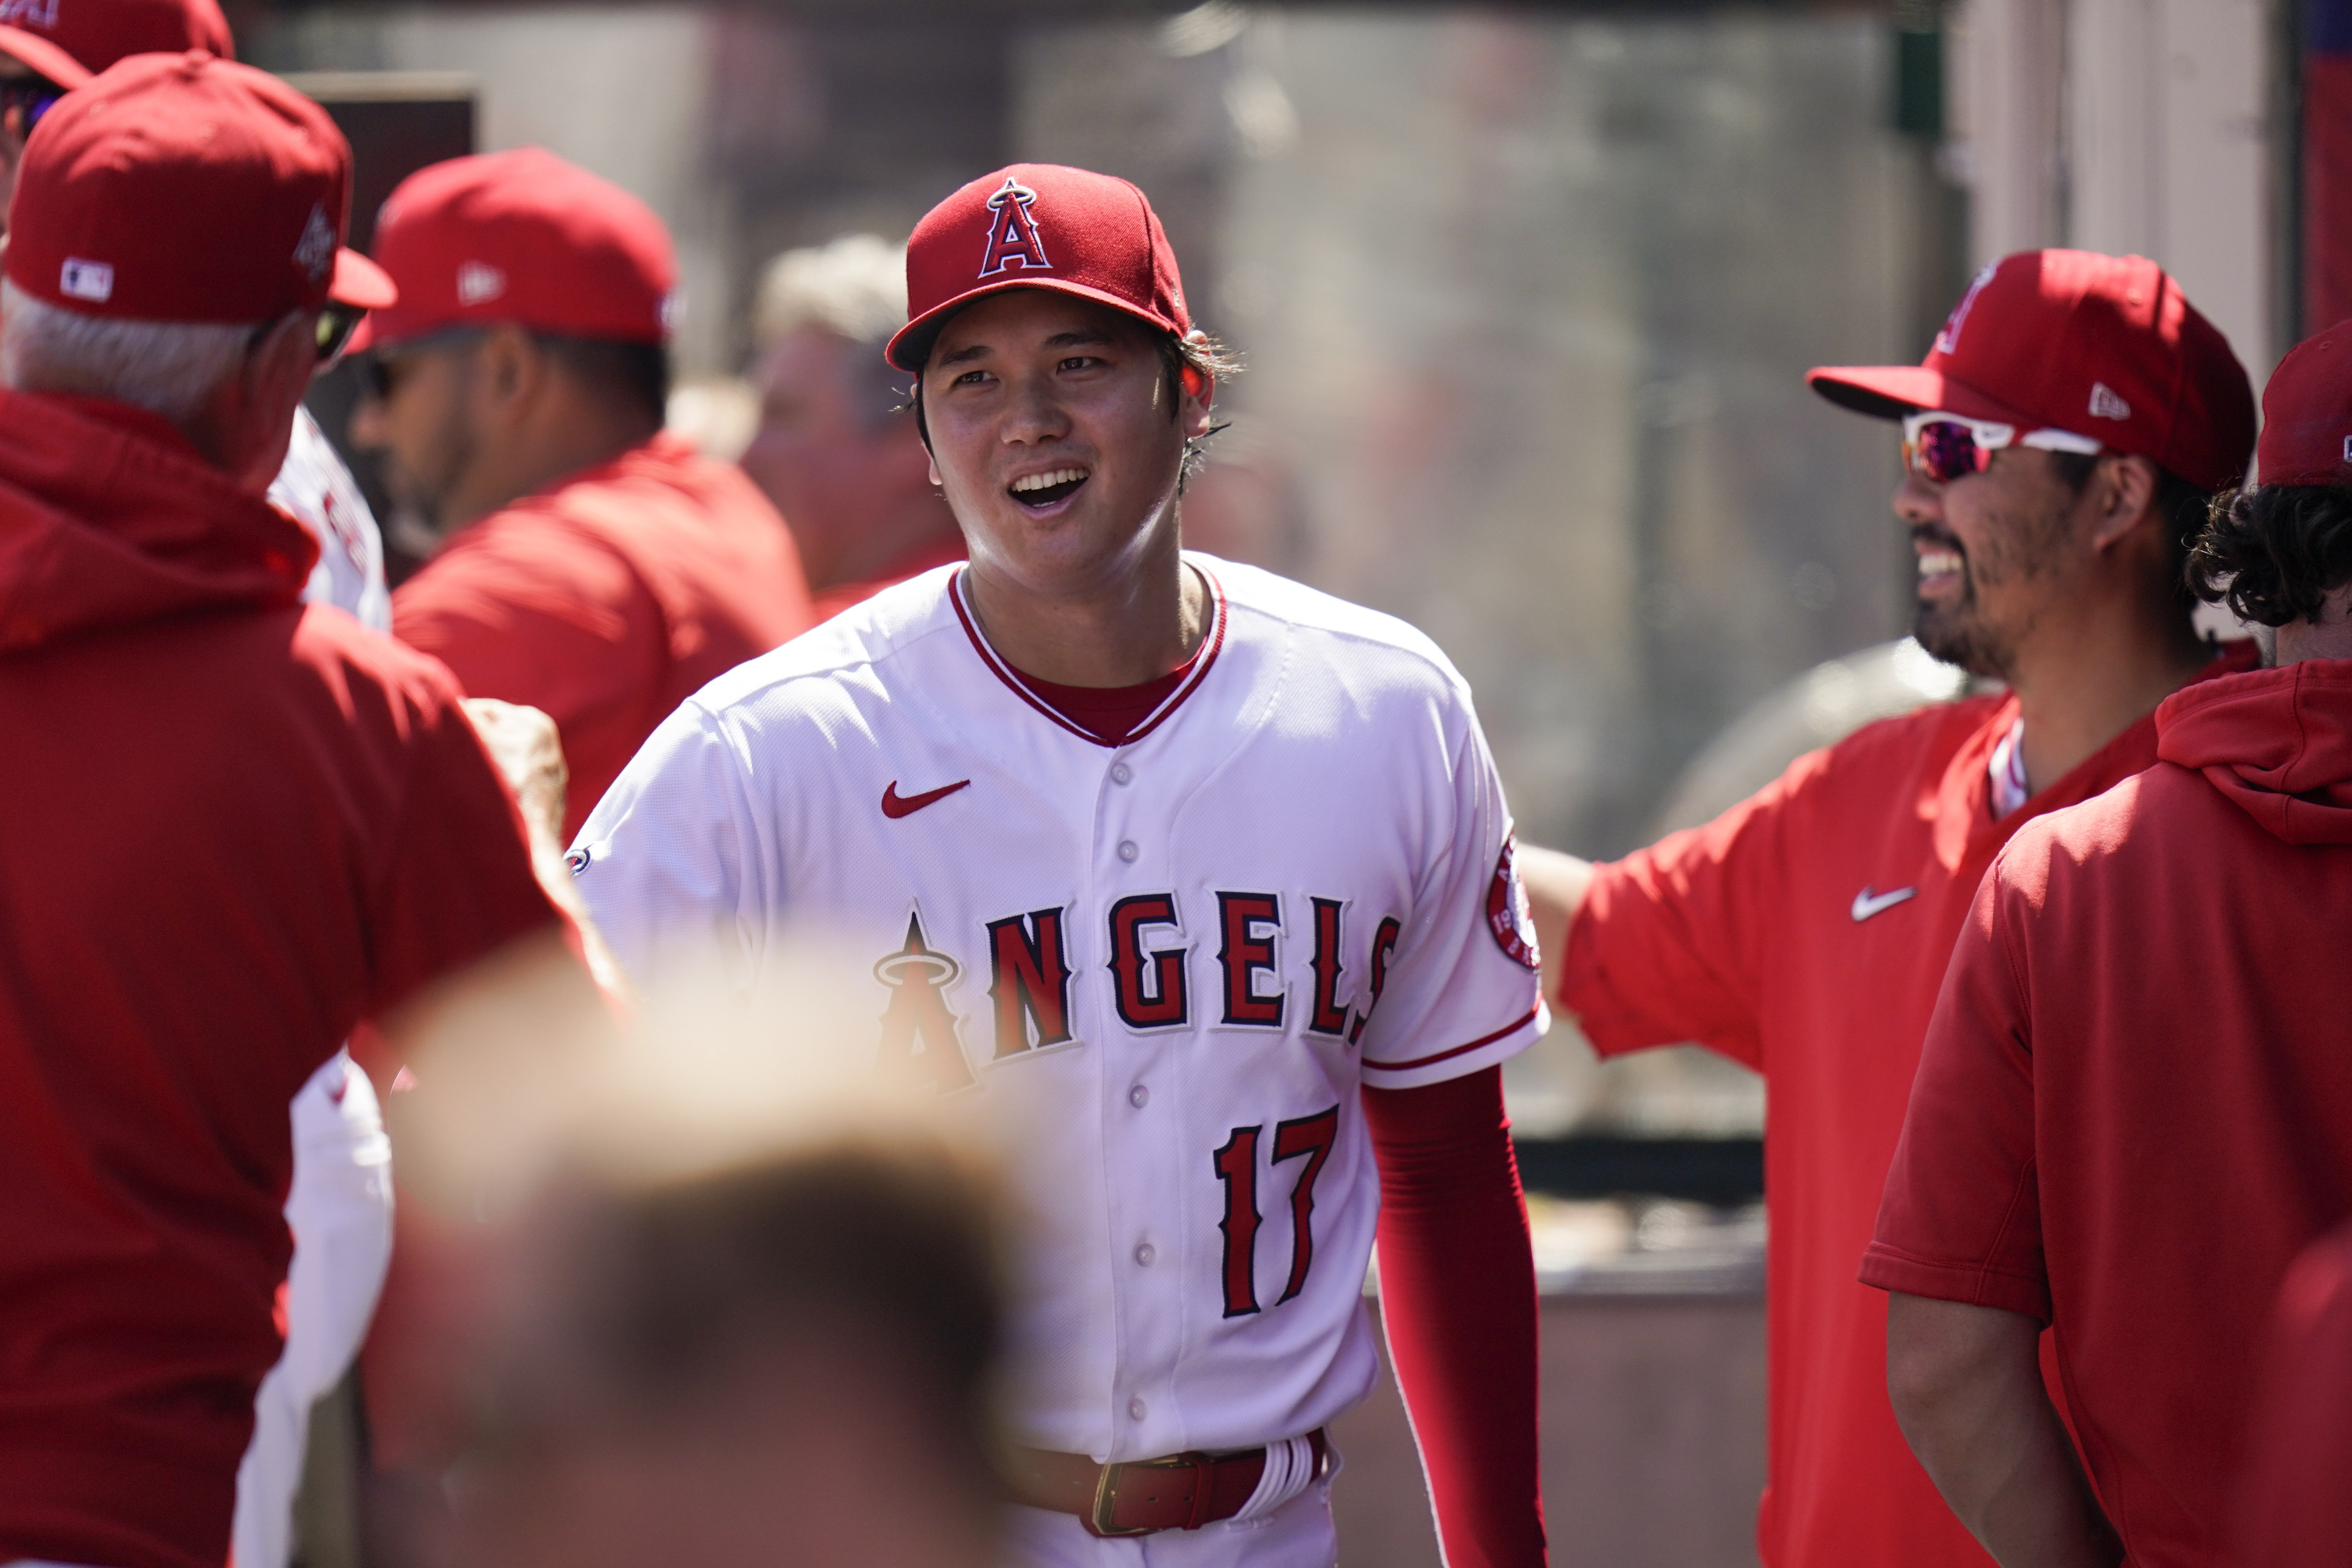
{"points": [[1212, 642]]}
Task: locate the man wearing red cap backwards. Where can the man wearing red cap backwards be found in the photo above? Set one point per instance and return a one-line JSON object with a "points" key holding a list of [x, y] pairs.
{"points": [[2134, 1108], [595, 568], [2061, 440], [233, 827], [1233, 861]]}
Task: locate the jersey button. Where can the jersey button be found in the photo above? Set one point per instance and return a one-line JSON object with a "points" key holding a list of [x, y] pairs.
{"points": [[1135, 1408], [1144, 1254], [1139, 1097], [1127, 851], [1121, 772]]}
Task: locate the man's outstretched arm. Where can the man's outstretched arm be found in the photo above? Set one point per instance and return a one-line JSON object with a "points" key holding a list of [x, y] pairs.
{"points": [[1556, 885], [1966, 1382], [1458, 1301]]}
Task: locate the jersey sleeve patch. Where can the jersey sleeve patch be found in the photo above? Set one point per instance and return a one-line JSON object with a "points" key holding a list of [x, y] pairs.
{"points": [[1507, 914]]}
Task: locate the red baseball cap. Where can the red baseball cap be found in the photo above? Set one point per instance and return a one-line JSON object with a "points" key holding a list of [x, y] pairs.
{"points": [[521, 238], [187, 188], [2308, 412], [69, 41], [2104, 346], [1038, 226]]}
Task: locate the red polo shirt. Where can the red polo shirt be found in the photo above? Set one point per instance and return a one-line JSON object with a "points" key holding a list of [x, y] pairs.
{"points": [[1804, 933], [609, 598], [2134, 1104], [230, 827]]}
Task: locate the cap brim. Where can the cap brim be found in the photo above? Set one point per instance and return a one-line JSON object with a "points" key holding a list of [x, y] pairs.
{"points": [[1892, 391], [361, 284], [36, 53], [911, 348]]}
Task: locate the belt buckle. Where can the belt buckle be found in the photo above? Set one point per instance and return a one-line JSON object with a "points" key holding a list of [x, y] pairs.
{"points": [[1107, 1491]]}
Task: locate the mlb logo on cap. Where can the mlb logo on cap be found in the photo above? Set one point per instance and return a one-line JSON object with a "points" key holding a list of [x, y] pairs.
{"points": [[1038, 226], [91, 280]]}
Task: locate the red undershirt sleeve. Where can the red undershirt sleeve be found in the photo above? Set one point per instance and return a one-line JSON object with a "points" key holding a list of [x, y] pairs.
{"points": [[1458, 1298]]}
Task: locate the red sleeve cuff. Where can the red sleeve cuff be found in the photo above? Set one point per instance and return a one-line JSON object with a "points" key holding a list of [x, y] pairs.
{"points": [[1971, 1284]]}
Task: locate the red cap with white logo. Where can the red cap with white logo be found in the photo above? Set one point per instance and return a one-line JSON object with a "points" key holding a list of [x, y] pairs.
{"points": [[2308, 412], [69, 41], [2104, 346], [1038, 226], [187, 188], [521, 238]]}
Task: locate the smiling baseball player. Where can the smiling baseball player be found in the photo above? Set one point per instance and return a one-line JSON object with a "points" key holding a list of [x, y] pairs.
{"points": [[1201, 878]]}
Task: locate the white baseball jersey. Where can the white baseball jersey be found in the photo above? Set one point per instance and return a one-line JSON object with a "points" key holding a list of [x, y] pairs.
{"points": [[339, 1203], [1172, 963], [317, 492]]}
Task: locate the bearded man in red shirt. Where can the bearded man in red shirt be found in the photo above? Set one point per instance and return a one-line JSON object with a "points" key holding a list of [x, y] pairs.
{"points": [[2134, 1107], [2062, 440], [594, 566]]}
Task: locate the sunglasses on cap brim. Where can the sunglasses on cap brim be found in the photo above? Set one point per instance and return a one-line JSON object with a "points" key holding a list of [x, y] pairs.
{"points": [[1946, 446]]}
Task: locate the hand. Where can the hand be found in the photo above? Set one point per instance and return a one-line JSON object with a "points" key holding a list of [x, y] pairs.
{"points": [[529, 754]]}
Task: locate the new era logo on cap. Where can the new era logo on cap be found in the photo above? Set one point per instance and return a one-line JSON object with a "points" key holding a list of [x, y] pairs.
{"points": [[91, 281], [478, 282], [2106, 403]]}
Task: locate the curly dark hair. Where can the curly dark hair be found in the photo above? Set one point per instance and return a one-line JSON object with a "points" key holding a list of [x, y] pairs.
{"points": [[2273, 553]]}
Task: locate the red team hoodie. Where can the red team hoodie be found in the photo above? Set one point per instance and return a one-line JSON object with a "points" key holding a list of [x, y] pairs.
{"points": [[230, 827], [2134, 1107]]}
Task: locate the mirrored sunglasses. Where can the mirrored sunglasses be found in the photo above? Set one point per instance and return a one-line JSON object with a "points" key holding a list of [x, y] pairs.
{"points": [[1946, 446]]}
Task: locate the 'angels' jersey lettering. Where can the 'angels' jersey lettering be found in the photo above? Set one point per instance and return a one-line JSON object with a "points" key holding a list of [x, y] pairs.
{"points": [[1171, 963]]}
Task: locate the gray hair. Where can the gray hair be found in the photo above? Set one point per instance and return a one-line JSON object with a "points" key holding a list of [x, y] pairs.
{"points": [[855, 287], [170, 368]]}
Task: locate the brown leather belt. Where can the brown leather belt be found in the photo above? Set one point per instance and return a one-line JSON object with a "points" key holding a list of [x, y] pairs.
{"points": [[1141, 1497]]}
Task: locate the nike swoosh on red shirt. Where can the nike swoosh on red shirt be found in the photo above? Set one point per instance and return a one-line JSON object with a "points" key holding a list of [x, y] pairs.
{"points": [[1867, 903], [896, 806]]}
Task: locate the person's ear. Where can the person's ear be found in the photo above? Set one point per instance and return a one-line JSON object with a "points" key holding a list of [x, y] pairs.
{"points": [[508, 370], [2122, 491]]}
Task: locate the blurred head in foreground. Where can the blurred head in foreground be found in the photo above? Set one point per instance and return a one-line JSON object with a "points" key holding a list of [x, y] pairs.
{"points": [[739, 1315], [835, 449]]}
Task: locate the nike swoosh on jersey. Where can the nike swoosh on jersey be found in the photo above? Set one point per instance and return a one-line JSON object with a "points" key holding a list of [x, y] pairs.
{"points": [[896, 806], [1867, 903]]}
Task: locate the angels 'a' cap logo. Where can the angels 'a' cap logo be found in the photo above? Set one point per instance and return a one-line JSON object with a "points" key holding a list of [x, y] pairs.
{"points": [[1012, 231], [315, 252], [1947, 342], [40, 14], [479, 283]]}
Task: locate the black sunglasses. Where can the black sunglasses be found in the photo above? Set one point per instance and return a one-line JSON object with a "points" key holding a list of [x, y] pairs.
{"points": [[34, 96], [337, 322], [383, 368]]}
